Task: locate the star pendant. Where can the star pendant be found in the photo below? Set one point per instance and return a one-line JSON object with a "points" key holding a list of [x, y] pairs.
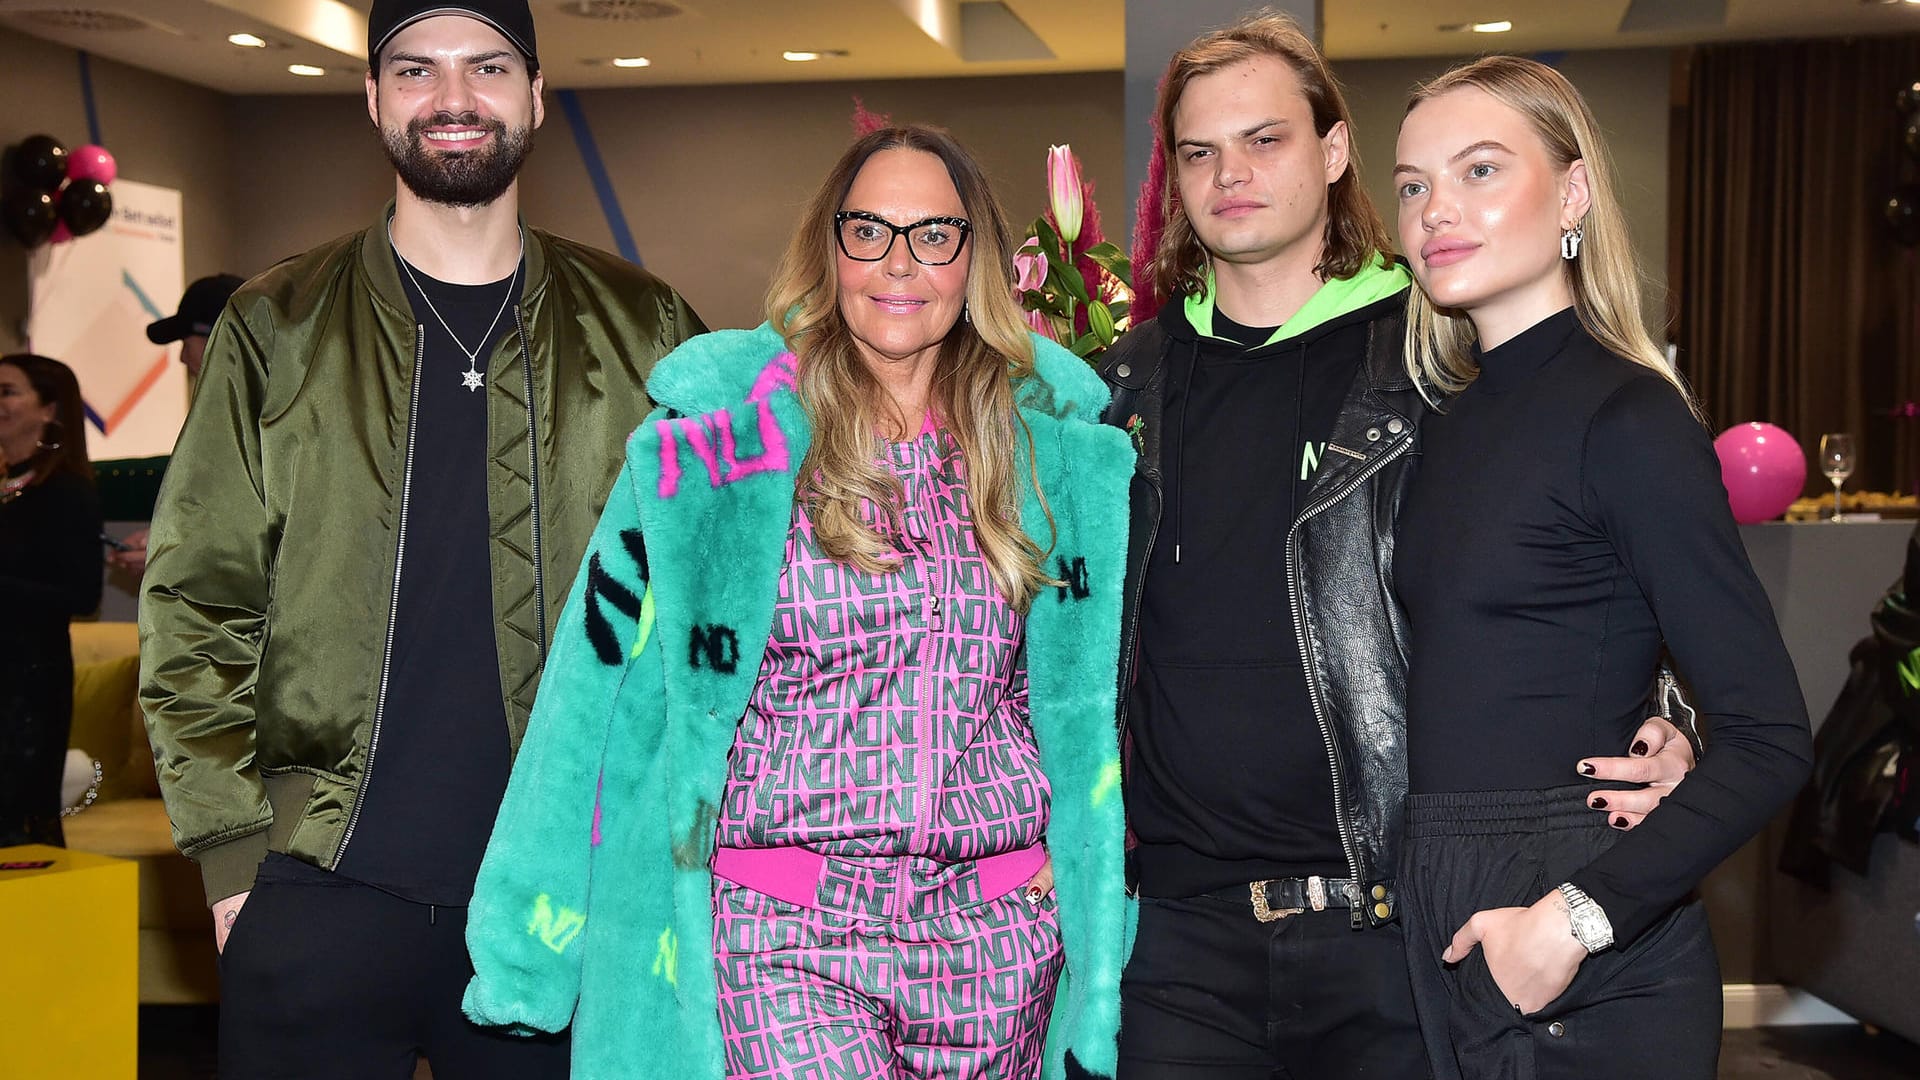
{"points": [[473, 380]]}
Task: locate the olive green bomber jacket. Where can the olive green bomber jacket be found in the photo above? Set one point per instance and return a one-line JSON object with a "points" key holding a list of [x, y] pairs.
{"points": [[272, 561]]}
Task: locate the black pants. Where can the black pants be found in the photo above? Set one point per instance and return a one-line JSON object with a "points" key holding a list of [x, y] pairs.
{"points": [[1650, 1008], [1211, 992], [331, 979], [36, 711]]}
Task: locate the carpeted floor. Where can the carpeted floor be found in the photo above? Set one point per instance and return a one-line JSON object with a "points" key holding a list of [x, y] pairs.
{"points": [[177, 1043]]}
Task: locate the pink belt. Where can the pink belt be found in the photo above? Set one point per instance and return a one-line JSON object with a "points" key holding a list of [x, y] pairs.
{"points": [[793, 874]]}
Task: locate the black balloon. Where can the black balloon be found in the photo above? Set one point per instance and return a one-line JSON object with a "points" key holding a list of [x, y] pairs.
{"points": [[1908, 99], [85, 206], [1903, 215], [28, 216], [39, 163]]}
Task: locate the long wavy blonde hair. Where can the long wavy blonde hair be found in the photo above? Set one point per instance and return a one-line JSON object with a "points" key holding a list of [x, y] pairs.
{"points": [[973, 385], [1604, 279]]}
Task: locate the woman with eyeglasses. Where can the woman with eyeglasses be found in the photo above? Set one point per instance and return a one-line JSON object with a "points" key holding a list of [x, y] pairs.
{"points": [[50, 558], [824, 779]]}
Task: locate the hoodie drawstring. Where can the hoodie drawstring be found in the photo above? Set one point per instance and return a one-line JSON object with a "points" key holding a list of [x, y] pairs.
{"points": [[1180, 454], [1299, 436]]}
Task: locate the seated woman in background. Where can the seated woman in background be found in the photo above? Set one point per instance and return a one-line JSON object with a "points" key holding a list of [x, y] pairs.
{"points": [[1567, 523], [839, 664], [50, 568]]}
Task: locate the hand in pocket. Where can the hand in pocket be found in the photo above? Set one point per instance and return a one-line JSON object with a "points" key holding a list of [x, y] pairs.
{"points": [[1531, 952], [225, 913]]}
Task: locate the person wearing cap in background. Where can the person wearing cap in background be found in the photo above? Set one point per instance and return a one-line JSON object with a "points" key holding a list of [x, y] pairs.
{"points": [[200, 308], [398, 450]]}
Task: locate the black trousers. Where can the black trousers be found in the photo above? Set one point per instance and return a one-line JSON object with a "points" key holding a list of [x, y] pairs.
{"points": [[1213, 993], [1650, 1008], [331, 979], [36, 711]]}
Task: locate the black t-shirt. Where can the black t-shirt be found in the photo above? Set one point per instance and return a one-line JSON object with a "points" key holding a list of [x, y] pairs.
{"points": [[1230, 779], [1568, 520], [440, 763]]}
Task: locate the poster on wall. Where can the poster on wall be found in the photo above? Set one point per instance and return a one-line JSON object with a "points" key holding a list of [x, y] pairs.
{"points": [[90, 302]]}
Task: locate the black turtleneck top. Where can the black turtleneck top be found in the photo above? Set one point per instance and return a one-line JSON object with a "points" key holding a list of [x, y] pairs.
{"points": [[1569, 519]]}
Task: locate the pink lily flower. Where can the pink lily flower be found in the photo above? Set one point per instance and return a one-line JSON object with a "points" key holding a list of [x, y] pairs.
{"points": [[1064, 196], [1029, 269]]}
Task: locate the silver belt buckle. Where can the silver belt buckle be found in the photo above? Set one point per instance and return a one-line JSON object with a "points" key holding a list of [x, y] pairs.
{"points": [[1261, 911], [1317, 892]]}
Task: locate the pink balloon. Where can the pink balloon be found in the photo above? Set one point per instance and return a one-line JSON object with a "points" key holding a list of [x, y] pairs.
{"points": [[92, 162], [1763, 468], [61, 234]]}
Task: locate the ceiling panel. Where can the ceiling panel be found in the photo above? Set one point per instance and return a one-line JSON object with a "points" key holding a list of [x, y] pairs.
{"points": [[742, 41]]}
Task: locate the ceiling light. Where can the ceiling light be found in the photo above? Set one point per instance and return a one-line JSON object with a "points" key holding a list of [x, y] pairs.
{"points": [[307, 70], [799, 57], [247, 41], [631, 61], [1500, 27]]}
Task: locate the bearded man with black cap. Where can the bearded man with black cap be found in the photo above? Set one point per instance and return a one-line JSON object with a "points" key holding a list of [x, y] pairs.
{"points": [[399, 447]]}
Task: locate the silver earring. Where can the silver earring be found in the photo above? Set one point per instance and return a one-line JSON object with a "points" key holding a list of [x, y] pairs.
{"points": [[1570, 240], [966, 315], [43, 445]]}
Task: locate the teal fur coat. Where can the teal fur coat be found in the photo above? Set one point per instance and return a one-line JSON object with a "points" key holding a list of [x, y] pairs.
{"points": [[593, 905]]}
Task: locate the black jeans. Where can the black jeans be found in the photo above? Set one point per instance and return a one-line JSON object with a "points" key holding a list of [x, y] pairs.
{"points": [[36, 711], [1651, 1007], [1211, 992], [326, 978]]}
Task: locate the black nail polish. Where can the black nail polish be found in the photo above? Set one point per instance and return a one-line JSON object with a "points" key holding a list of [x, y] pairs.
{"points": [[1586, 768], [1620, 823], [1640, 748], [1598, 803]]}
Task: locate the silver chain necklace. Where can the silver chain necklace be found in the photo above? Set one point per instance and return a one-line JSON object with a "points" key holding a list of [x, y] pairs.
{"points": [[473, 379]]}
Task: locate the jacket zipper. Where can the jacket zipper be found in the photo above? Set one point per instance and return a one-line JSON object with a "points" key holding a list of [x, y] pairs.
{"points": [[1306, 657], [533, 490], [393, 602], [1128, 661], [929, 651], [1131, 642]]}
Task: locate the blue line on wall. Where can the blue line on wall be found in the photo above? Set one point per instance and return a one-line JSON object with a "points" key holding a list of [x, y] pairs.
{"points": [[1551, 59], [86, 95], [597, 172], [140, 294], [93, 417]]}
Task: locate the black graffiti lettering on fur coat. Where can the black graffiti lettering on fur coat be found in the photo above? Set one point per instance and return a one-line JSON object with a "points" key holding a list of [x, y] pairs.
{"points": [[718, 645], [637, 549], [606, 643], [1074, 575]]}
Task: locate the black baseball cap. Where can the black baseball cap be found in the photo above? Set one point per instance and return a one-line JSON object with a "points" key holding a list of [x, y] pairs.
{"points": [[199, 309], [512, 18]]}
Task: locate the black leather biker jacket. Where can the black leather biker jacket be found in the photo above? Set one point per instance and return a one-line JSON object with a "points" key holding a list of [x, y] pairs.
{"points": [[1339, 556]]}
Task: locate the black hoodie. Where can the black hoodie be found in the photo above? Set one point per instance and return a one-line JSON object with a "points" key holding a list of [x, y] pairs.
{"points": [[1239, 788]]}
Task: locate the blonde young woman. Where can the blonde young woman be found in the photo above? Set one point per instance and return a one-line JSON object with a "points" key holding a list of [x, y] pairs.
{"points": [[1568, 523], [831, 708]]}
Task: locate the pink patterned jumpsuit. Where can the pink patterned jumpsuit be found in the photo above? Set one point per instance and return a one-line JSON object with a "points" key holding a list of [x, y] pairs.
{"points": [[884, 804]]}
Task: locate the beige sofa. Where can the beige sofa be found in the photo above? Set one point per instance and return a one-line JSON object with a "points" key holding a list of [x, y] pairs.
{"points": [[177, 959]]}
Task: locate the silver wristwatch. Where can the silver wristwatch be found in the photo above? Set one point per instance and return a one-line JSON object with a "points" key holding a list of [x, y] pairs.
{"points": [[1590, 925]]}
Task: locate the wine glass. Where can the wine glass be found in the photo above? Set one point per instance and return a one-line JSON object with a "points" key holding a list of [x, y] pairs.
{"points": [[1836, 460]]}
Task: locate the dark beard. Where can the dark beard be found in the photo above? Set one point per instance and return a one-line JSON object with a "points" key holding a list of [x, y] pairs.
{"points": [[457, 177]]}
